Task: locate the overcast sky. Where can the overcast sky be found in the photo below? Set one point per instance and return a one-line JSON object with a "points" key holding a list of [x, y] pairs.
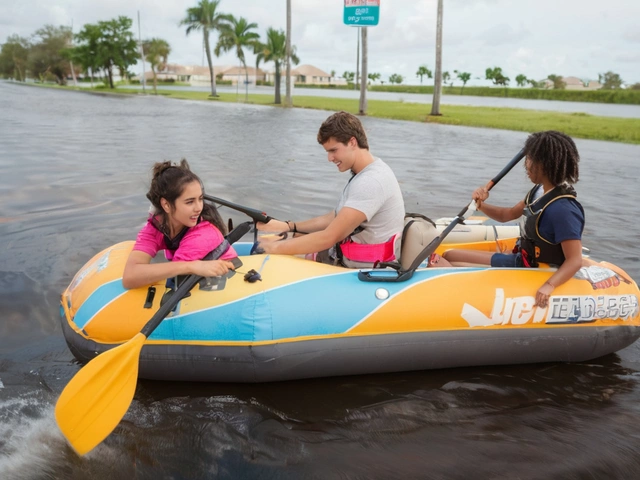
{"points": [[536, 38]]}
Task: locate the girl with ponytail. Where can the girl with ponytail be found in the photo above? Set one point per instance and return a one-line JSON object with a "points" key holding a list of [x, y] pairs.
{"points": [[182, 225]]}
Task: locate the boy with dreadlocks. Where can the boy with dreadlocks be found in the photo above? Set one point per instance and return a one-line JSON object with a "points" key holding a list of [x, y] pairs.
{"points": [[553, 218]]}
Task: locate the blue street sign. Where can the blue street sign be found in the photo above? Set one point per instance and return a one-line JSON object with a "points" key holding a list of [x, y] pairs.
{"points": [[361, 13]]}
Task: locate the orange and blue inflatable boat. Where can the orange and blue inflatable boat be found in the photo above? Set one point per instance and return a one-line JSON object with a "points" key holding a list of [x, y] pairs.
{"points": [[306, 319]]}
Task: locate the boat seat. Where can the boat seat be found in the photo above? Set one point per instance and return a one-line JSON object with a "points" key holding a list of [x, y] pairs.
{"points": [[417, 233]]}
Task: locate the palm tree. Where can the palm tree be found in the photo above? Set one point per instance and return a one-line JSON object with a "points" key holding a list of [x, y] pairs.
{"points": [[205, 17], [156, 51], [437, 85], [236, 34], [288, 102], [275, 50], [464, 77], [422, 71]]}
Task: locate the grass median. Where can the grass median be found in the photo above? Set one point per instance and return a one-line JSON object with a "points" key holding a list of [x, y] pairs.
{"points": [[578, 125]]}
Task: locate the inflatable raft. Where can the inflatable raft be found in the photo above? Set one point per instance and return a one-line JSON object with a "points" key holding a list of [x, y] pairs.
{"points": [[304, 319]]}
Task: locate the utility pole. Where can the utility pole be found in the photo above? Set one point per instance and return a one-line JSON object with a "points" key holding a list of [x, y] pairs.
{"points": [[363, 77], [144, 81], [437, 85], [356, 80], [288, 102]]}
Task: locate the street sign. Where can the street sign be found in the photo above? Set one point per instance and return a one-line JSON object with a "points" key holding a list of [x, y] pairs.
{"points": [[361, 13]]}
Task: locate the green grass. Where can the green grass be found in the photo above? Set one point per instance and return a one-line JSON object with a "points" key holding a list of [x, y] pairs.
{"points": [[579, 125]]}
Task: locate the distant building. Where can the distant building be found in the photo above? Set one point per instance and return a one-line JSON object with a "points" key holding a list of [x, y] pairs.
{"points": [[197, 75], [574, 83], [592, 85], [309, 74], [240, 74]]}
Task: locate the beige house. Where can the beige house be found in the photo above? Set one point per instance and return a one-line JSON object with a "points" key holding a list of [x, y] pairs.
{"points": [[574, 83], [180, 73], [239, 74], [307, 75], [197, 75]]}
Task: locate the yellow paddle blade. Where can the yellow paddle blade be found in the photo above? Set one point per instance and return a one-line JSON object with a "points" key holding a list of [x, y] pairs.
{"points": [[98, 396]]}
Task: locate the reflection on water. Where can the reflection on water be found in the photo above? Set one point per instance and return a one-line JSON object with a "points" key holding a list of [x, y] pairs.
{"points": [[75, 168]]}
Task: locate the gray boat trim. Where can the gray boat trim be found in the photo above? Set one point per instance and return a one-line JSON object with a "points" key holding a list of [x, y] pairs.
{"points": [[355, 355]]}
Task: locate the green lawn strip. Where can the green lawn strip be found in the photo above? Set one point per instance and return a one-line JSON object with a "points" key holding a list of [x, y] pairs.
{"points": [[579, 125]]}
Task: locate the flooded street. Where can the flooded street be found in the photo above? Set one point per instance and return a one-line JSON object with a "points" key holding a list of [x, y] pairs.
{"points": [[75, 169]]}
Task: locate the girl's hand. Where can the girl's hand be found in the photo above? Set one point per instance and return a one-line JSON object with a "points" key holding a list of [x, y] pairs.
{"points": [[211, 268], [480, 195], [543, 294]]}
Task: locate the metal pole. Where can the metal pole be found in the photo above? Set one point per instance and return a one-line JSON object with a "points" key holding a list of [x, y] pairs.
{"points": [[288, 102], [355, 80], [363, 76], [144, 81], [437, 86]]}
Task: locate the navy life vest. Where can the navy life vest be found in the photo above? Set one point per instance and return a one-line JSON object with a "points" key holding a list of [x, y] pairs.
{"points": [[533, 246]]}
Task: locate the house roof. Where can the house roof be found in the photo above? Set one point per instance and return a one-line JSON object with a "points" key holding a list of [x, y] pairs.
{"points": [[572, 81], [186, 69], [309, 71], [241, 71], [195, 69]]}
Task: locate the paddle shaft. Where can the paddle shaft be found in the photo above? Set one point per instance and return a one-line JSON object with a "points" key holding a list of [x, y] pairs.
{"points": [[170, 304], [514, 161], [435, 243], [256, 215]]}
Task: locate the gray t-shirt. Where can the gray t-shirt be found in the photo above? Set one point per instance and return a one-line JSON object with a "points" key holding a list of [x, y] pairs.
{"points": [[376, 193]]}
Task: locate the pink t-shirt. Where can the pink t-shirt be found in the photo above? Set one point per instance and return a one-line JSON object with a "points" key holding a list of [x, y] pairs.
{"points": [[195, 245]]}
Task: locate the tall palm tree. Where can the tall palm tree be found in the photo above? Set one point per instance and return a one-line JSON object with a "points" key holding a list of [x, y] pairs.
{"points": [[236, 34], [156, 51], [206, 17], [288, 102], [437, 84], [275, 50]]}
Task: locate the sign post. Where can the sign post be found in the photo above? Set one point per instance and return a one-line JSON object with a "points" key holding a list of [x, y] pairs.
{"points": [[361, 13]]}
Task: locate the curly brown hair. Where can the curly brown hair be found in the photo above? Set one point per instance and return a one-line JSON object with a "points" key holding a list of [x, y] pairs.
{"points": [[342, 126], [168, 182], [556, 153]]}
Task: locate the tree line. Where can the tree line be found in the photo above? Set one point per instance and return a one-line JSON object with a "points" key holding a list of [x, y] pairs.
{"points": [[608, 80], [104, 48]]}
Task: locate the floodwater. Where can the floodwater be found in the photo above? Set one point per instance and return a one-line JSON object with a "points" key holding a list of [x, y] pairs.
{"points": [[598, 109], [75, 168]]}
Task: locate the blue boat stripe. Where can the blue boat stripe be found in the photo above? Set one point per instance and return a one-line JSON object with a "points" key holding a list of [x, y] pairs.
{"points": [[437, 275], [98, 300], [273, 314]]}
